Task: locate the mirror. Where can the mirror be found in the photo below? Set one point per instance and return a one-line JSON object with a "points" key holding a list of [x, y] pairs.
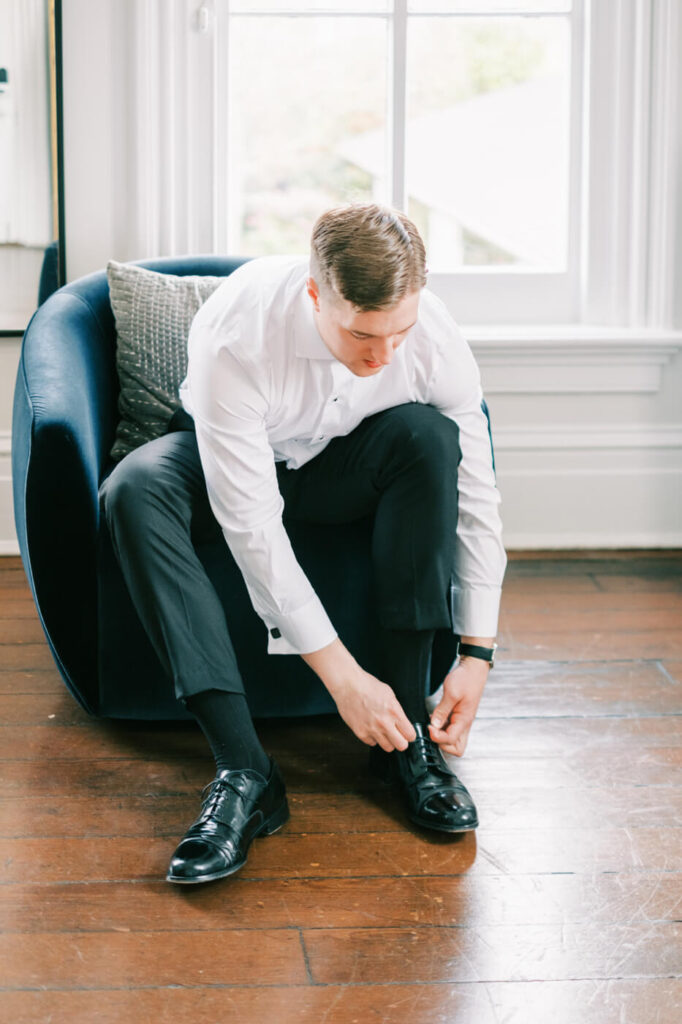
{"points": [[29, 159]]}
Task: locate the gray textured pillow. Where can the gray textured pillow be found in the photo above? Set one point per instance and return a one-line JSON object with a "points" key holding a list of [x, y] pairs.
{"points": [[153, 315]]}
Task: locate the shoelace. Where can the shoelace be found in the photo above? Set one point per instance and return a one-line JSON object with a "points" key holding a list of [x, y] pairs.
{"points": [[428, 751], [216, 794]]}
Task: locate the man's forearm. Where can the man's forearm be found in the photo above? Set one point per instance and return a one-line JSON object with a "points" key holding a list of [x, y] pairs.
{"points": [[334, 664]]}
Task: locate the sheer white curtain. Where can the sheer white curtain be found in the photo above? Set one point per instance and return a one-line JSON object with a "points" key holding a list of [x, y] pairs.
{"points": [[25, 187]]}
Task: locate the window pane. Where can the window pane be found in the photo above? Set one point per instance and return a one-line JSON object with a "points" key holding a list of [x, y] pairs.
{"points": [[488, 139], [310, 6], [301, 90], [488, 6]]}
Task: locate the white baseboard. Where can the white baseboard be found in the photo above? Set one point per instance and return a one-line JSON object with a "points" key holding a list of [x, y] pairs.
{"points": [[614, 486], [590, 541], [9, 545]]}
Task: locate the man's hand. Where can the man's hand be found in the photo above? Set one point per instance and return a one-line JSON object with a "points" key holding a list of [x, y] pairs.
{"points": [[451, 721], [369, 707], [372, 710]]}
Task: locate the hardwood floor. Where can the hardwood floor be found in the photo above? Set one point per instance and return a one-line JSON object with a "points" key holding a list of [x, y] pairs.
{"points": [[563, 908]]}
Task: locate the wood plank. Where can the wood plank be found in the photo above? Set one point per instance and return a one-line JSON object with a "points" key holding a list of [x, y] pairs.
{"points": [[39, 681], [558, 646], [673, 669], [587, 622], [526, 953], [514, 689], [126, 959], [516, 588], [36, 708], [158, 812], [636, 898], [17, 605], [344, 854], [574, 588], [548, 604], [523, 688], [9, 562], [26, 656], [592, 1001], [546, 737], [643, 564], [21, 631], [660, 768]]}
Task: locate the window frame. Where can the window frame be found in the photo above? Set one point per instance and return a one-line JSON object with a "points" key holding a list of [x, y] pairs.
{"points": [[520, 294], [626, 224]]}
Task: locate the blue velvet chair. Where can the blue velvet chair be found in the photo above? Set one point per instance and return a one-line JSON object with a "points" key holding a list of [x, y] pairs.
{"points": [[65, 415]]}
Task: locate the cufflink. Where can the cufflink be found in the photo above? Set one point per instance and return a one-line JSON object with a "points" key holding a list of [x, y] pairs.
{"points": [[275, 633]]}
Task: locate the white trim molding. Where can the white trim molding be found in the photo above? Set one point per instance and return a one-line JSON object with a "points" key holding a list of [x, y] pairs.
{"points": [[590, 485], [594, 437], [9, 545], [571, 359]]}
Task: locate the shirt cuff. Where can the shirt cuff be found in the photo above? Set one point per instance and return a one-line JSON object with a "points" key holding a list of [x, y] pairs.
{"points": [[307, 629], [476, 610]]}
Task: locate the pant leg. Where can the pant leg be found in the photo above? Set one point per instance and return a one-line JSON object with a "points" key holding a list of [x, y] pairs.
{"points": [[155, 502], [400, 464]]}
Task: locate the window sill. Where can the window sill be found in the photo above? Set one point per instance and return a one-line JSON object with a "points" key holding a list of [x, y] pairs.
{"points": [[571, 358]]}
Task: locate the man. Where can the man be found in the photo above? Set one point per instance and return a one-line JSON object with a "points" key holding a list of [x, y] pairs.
{"points": [[334, 387]]}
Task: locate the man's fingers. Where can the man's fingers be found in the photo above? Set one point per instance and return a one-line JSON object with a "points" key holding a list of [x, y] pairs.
{"points": [[453, 734], [406, 728], [401, 733], [441, 713], [385, 742]]}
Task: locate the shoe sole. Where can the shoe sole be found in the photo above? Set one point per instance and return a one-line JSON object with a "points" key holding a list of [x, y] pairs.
{"points": [[268, 828], [442, 828]]}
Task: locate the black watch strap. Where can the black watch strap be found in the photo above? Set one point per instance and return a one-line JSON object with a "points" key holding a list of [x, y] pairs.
{"points": [[472, 651]]}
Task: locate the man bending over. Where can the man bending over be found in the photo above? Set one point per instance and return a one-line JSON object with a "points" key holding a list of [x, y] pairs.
{"points": [[335, 386]]}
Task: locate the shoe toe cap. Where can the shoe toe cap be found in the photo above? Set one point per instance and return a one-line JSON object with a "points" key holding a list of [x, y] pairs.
{"points": [[449, 811], [195, 859]]}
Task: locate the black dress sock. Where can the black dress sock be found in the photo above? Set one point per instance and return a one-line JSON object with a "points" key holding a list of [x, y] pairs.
{"points": [[226, 722], [403, 658], [443, 656]]}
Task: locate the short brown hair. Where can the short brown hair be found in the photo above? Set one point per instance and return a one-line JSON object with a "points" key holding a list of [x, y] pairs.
{"points": [[368, 254]]}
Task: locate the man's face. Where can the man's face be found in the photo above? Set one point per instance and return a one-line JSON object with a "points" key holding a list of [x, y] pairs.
{"points": [[364, 342]]}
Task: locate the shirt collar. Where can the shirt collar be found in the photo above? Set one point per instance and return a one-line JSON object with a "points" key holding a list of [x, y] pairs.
{"points": [[308, 343]]}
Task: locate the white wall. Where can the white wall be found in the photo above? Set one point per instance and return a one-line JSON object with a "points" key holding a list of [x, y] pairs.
{"points": [[587, 422]]}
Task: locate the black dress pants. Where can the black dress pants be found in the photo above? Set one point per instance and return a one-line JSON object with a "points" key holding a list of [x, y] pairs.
{"points": [[399, 464]]}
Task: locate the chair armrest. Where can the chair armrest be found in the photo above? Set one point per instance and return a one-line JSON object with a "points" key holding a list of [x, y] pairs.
{"points": [[63, 426]]}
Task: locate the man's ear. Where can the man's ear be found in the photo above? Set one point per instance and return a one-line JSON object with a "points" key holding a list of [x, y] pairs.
{"points": [[314, 293]]}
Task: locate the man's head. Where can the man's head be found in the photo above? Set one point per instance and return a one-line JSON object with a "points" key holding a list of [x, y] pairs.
{"points": [[367, 267]]}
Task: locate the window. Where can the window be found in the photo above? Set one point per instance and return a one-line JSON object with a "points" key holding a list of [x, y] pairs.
{"points": [[458, 112], [534, 142]]}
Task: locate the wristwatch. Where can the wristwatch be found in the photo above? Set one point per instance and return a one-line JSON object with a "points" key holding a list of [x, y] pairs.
{"points": [[484, 653]]}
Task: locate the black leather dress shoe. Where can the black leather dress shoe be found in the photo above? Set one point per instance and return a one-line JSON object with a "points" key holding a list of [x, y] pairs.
{"points": [[434, 797], [240, 805]]}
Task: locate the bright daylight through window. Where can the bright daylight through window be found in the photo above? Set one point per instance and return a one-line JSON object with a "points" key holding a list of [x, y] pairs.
{"points": [[459, 112]]}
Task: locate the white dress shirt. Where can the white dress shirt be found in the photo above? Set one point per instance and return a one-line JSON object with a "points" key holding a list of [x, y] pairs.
{"points": [[262, 387]]}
